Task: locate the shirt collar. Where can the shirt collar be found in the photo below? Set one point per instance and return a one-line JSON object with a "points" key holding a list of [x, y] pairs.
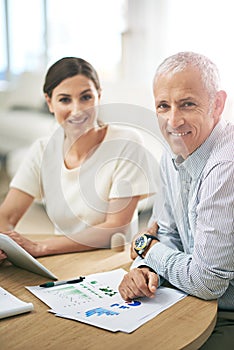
{"points": [[196, 162]]}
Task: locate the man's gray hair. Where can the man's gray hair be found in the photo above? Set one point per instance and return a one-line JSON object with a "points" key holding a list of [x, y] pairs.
{"points": [[180, 61]]}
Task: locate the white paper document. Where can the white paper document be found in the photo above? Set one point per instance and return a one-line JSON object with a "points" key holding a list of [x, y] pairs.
{"points": [[10, 305], [96, 301]]}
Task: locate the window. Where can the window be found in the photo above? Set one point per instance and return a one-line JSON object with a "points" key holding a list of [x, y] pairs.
{"points": [[42, 31], [3, 45], [89, 29], [25, 35]]}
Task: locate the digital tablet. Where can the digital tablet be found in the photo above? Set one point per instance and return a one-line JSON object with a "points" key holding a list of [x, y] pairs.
{"points": [[19, 257]]}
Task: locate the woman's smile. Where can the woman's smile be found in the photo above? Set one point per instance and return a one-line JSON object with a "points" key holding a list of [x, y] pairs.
{"points": [[78, 120]]}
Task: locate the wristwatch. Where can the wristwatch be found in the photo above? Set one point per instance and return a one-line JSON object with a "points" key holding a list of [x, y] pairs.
{"points": [[142, 243]]}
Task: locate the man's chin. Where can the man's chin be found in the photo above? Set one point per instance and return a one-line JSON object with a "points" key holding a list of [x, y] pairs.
{"points": [[180, 151]]}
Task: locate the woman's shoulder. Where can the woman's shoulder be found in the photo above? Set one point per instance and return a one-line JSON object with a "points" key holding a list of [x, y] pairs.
{"points": [[56, 136], [40, 144]]}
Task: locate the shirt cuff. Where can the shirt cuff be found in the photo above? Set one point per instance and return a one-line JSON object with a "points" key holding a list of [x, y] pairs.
{"points": [[141, 262]]}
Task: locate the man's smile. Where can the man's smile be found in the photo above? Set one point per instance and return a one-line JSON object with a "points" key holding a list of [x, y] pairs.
{"points": [[179, 134]]}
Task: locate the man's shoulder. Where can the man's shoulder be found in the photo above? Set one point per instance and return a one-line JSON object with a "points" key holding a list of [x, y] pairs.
{"points": [[222, 154], [223, 148]]}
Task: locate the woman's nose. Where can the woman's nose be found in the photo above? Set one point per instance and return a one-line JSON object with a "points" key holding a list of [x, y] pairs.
{"points": [[75, 108]]}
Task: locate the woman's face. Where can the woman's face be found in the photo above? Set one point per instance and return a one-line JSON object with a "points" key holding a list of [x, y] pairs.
{"points": [[73, 103]]}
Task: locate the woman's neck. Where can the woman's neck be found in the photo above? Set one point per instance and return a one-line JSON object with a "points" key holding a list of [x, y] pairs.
{"points": [[76, 152]]}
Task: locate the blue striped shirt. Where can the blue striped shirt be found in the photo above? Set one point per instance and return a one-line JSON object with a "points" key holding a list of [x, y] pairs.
{"points": [[195, 213]]}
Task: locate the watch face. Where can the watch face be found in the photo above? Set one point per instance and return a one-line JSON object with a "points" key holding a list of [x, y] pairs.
{"points": [[141, 242]]}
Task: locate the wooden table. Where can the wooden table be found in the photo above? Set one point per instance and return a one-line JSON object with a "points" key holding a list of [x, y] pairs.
{"points": [[186, 325]]}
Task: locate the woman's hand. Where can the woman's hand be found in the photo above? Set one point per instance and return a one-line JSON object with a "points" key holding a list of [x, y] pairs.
{"points": [[139, 282], [30, 246], [3, 256]]}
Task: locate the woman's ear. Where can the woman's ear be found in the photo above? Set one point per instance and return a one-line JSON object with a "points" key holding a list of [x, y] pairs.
{"points": [[99, 93], [219, 103], [49, 104]]}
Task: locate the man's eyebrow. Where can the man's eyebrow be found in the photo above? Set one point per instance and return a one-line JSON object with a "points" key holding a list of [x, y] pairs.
{"points": [[186, 98], [161, 101]]}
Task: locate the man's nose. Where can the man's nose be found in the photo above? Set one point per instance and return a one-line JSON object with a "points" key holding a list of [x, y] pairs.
{"points": [[175, 118]]}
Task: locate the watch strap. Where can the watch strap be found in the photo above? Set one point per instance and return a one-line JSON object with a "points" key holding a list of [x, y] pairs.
{"points": [[151, 236], [140, 252]]}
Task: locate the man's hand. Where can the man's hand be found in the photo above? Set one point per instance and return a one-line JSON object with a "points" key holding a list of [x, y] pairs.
{"points": [[139, 282], [152, 231]]}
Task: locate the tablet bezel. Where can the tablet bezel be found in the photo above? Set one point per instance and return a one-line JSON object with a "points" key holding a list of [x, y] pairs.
{"points": [[21, 258]]}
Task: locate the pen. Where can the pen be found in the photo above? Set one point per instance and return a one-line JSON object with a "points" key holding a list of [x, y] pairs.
{"points": [[58, 283]]}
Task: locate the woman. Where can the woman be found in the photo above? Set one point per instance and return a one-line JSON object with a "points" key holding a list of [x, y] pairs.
{"points": [[89, 174]]}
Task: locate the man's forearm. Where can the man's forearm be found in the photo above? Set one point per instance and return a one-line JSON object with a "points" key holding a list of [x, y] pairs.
{"points": [[153, 229]]}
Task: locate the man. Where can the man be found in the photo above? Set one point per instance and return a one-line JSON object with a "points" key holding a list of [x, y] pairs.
{"points": [[193, 246]]}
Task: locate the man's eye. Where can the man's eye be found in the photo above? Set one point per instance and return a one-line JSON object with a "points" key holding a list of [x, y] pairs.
{"points": [[188, 104], [162, 106]]}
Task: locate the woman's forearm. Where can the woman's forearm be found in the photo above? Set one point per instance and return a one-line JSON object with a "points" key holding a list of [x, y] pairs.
{"points": [[96, 237], [13, 208], [6, 224]]}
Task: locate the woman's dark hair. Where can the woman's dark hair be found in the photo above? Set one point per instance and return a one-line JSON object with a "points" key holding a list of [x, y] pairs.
{"points": [[68, 67]]}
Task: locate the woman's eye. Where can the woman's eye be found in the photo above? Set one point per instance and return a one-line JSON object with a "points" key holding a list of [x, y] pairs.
{"points": [[64, 100], [86, 97]]}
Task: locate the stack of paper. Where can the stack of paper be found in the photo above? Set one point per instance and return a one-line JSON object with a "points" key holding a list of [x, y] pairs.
{"points": [[96, 301]]}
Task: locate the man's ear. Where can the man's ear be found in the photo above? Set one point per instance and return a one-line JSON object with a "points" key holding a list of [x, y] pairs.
{"points": [[49, 104], [220, 100]]}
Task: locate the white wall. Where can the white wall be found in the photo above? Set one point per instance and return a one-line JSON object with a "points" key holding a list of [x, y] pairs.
{"points": [[159, 28]]}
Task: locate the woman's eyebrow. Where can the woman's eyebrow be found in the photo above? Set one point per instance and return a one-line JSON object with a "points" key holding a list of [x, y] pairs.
{"points": [[84, 92], [63, 94]]}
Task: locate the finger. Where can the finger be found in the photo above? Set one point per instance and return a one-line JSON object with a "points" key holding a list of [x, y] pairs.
{"points": [[2, 255], [17, 237], [129, 287], [123, 290], [143, 286], [127, 294], [134, 285], [13, 234], [153, 282]]}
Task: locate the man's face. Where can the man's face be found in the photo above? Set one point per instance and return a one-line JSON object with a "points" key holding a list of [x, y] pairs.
{"points": [[184, 109]]}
